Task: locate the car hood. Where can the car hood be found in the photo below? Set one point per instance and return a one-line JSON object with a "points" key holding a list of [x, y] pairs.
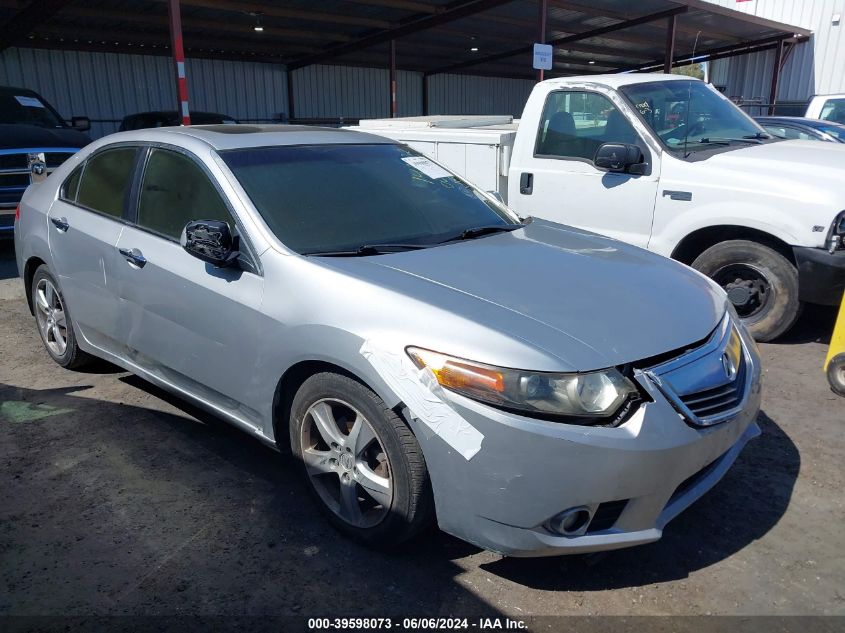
{"points": [[787, 161], [35, 137], [588, 300]]}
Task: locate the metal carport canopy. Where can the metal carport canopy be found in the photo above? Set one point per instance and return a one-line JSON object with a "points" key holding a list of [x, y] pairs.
{"points": [[430, 36]]}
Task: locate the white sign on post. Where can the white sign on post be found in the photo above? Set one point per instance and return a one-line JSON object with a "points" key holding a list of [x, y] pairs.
{"points": [[543, 56]]}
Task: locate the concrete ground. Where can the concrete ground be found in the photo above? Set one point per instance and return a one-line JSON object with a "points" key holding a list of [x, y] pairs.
{"points": [[120, 499]]}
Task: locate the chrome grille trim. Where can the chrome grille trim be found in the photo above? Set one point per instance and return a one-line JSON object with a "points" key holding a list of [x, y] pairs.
{"points": [[712, 398]]}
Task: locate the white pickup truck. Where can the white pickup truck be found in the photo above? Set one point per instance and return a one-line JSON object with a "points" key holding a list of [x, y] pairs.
{"points": [[667, 163]]}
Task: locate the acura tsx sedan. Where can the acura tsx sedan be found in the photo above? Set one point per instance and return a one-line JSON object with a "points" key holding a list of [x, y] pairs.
{"points": [[418, 348]]}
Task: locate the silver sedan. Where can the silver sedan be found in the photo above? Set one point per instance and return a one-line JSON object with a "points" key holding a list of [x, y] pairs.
{"points": [[420, 349]]}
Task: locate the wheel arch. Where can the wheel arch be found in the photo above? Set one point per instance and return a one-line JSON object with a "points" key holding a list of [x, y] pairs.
{"points": [[695, 243], [29, 269], [293, 378]]}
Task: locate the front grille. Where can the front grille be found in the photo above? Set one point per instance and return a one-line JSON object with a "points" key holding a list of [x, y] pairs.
{"points": [[14, 161], [606, 515], [54, 159], [718, 400], [14, 180]]}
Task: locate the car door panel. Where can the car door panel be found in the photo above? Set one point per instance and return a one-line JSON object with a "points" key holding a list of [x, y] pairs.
{"points": [[190, 323], [567, 187]]}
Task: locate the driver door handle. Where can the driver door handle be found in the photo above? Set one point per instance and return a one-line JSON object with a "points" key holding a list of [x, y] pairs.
{"points": [[60, 223], [133, 256]]}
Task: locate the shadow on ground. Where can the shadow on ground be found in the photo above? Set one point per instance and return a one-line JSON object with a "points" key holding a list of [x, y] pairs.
{"points": [[114, 508]]}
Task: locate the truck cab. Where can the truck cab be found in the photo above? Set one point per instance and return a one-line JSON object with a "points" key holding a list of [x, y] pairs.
{"points": [[34, 139]]}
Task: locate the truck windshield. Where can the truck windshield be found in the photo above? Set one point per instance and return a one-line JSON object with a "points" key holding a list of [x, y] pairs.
{"points": [[690, 115], [361, 199], [26, 108]]}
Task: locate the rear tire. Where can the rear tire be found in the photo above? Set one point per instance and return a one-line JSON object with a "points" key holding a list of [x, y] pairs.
{"points": [[54, 322], [836, 374], [761, 283], [371, 483]]}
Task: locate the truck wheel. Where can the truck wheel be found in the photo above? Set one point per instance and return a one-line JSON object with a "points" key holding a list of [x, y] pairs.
{"points": [[836, 374], [761, 283], [361, 460]]}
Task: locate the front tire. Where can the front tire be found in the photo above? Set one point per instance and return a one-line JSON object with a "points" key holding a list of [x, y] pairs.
{"points": [[54, 322], [761, 283], [361, 461]]}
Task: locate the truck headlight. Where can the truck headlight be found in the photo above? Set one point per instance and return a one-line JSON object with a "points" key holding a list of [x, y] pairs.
{"points": [[836, 235], [588, 397]]}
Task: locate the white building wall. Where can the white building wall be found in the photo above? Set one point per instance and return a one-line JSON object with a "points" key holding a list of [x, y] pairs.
{"points": [[816, 67]]}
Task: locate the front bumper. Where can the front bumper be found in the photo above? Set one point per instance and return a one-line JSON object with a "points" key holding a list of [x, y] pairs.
{"points": [[636, 477], [821, 275]]}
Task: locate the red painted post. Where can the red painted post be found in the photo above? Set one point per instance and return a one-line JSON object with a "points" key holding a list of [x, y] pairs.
{"points": [[179, 60], [393, 105]]}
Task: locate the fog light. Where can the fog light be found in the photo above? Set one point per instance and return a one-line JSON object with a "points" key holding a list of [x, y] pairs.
{"points": [[572, 522]]}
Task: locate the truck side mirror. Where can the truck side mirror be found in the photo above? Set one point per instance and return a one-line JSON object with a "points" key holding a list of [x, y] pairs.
{"points": [[80, 123], [620, 157]]}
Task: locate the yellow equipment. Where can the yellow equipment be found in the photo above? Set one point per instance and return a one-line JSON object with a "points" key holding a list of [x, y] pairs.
{"points": [[835, 362]]}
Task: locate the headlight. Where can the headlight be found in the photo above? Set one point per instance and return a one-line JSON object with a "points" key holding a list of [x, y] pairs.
{"points": [[836, 236], [590, 396]]}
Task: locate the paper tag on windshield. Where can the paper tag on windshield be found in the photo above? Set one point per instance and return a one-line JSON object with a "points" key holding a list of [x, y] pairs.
{"points": [[432, 170], [29, 102]]}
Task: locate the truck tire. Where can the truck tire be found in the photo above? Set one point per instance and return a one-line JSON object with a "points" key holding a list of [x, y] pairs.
{"points": [[761, 283], [836, 374]]}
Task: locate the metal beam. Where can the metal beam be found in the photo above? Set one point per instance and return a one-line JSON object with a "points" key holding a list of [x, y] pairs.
{"points": [[576, 37], [776, 66], [454, 11], [542, 12], [393, 105], [175, 15], [670, 44], [284, 12], [20, 25], [405, 5]]}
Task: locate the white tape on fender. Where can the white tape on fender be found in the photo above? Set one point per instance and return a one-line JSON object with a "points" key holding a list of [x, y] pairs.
{"points": [[420, 391]]}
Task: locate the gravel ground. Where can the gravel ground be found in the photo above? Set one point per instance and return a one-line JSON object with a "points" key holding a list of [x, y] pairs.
{"points": [[118, 499]]}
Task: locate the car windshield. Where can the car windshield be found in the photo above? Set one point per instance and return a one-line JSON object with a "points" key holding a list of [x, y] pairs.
{"points": [[334, 198], [26, 109], [690, 116]]}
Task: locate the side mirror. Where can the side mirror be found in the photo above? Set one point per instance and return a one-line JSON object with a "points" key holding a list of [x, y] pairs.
{"points": [[211, 241], [620, 157], [80, 123]]}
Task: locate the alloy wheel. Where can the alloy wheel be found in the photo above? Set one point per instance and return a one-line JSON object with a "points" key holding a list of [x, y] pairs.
{"points": [[346, 462], [51, 317]]}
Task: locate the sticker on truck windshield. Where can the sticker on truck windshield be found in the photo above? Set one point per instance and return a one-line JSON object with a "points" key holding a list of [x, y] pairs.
{"points": [[432, 170], [29, 102]]}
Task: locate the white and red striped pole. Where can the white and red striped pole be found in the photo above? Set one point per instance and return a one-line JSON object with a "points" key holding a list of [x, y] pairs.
{"points": [[179, 60]]}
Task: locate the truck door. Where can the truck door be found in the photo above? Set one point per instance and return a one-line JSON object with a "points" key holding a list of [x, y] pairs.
{"points": [[556, 179]]}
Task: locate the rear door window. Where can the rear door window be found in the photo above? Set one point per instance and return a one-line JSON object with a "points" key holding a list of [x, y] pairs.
{"points": [[175, 191], [71, 185], [107, 180]]}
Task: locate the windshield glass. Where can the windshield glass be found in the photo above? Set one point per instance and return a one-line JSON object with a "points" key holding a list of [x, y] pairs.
{"points": [[689, 115], [26, 109], [318, 198], [836, 131]]}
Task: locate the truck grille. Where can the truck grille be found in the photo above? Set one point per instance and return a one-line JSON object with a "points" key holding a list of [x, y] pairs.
{"points": [[15, 176]]}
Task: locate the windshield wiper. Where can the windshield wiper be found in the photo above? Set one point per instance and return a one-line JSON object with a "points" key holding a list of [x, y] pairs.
{"points": [[754, 139], [369, 249], [478, 231]]}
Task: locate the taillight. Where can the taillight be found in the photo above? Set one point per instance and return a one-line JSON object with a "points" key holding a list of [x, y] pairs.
{"points": [[17, 213]]}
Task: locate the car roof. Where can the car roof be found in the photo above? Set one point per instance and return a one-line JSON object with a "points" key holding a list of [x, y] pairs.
{"points": [[619, 79], [813, 123], [241, 136]]}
